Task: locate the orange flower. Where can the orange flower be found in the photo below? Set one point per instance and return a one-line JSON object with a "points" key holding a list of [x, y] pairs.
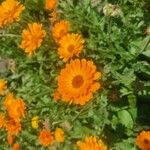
{"points": [[45, 137], [32, 38], [2, 120], [76, 82], [13, 127], [3, 86], [17, 109], [143, 140], [59, 135], [70, 45], [9, 100], [91, 143], [60, 29], [10, 139], [10, 11], [50, 4], [16, 146]]}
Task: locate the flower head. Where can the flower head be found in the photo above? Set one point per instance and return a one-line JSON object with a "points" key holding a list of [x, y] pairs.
{"points": [[13, 127], [59, 135], [70, 45], [91, 143], [10, 11], [60, 29], [50, 4], [32, 38], [3, 86], [9, 99], [16, 146], [45, 137], [35, 122], [76, 82], [143, 140], [17, 109]]}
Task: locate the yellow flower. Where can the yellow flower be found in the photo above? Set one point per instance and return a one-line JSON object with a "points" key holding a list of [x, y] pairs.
{"points": [[59, 135], [91, 143], [10, 11], [77, 81], [70, 45], [32, 38], [3, 86], [60, 29], [35, 122], [143, 140]]}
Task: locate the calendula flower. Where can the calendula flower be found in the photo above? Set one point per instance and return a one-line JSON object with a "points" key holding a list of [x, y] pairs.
{"points": [[10, 11], [143, 140], [50, 4], [9, 99], [17, 109], [46, 138], [35, 122], [77, 81], [70, 45], [3, 86], [60, 29], [32, 38], [91, 143], [16, 146], [13, 127], [59, 135], [2, 120]]}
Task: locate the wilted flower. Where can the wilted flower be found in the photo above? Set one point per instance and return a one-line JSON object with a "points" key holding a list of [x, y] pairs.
{"points": [[111, 10]]}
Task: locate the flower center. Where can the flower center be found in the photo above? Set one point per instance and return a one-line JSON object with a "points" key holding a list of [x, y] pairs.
{"points": [[146, 141], [70, 48], [77, 81]]}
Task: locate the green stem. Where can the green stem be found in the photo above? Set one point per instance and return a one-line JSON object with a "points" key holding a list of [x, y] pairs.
{"points": [[9, 35]]}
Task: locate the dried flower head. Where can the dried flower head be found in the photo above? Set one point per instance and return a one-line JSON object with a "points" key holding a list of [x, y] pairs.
{"points": [[111, 10]]}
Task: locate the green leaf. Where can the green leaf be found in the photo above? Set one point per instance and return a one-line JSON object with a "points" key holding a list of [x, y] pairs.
{"points": [[125, 119]]}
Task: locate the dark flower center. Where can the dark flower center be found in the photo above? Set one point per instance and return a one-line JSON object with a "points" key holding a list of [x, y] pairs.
{"points": [[77, 81]]}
